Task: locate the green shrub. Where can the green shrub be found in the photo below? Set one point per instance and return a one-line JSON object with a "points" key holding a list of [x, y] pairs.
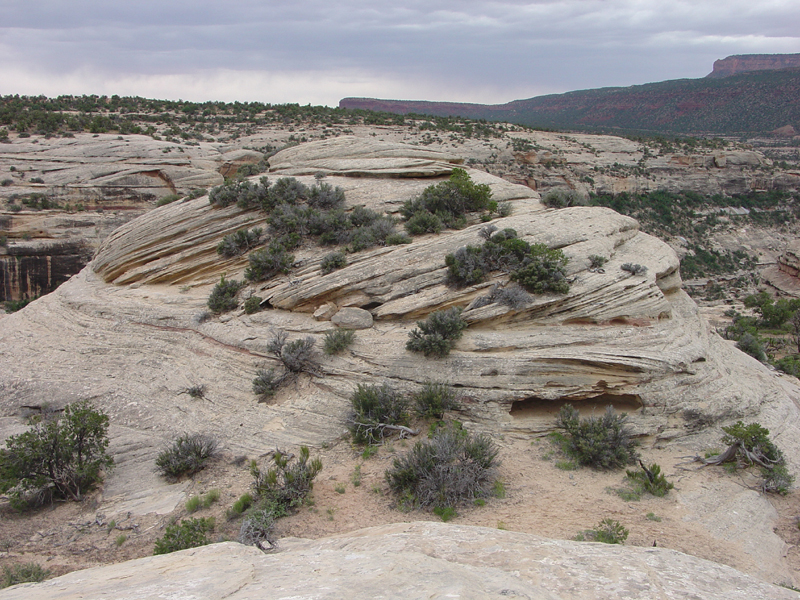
{"points": [[396, 239], [252, 304], [187, 455], [266, 383], [446, 513], [650, 479], [562, 198], [267, 262], [251, 169], [450, 468], [57, 458], [534, 266], [603, 443], [210, 497], [36, 180], [333, 261], [750, 344], [290, 218], [192, 504], [448, 201], [189, 533], [596, 261], [325, 196], [634, 269], [242, 193], [542, 271], [244, 502], [168, 199], [512, 296], [433, 399], [256, 529], [223, 296], [288, 190], [22, 573], [608, 531], [789, 365], [373, 407], [239, 242], [287, 483], [750, 445], [437, 335], [337, 340], [297, 356], [372, 235], [422, 222]]}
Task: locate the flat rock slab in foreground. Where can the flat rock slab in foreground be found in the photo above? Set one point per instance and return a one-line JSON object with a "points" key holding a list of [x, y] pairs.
{"points": [[411, 560]]}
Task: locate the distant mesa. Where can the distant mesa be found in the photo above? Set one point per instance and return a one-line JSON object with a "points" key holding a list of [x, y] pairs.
{"points": [[745, 63], [744, 95]]}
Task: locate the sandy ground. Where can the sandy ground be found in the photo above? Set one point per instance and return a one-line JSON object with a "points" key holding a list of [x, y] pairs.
{"points": [[540, 498]]}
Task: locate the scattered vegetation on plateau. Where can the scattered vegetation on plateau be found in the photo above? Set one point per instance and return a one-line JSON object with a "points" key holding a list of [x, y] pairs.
{"points": [[773, 330], [535, 267], [446, 204], [695, 217]]}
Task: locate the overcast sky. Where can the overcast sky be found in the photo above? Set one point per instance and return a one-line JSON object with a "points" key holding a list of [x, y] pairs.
{"points": [[320, 51]]}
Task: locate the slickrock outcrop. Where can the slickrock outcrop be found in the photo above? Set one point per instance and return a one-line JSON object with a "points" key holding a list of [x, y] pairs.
{"points": [[412, 561], [115, 170], [363, 158], [604, 164], [785, 275], [132, 332]]}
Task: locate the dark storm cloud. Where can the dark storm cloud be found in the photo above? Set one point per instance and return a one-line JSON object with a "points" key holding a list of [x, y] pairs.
{"points": [[319, 51]]}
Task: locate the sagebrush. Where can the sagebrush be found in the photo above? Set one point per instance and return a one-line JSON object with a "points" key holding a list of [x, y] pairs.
{"points": [[187, 455], [451, 467]]}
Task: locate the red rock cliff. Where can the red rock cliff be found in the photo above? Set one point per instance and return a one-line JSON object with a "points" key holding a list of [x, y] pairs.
{"points": [[741, 63]]}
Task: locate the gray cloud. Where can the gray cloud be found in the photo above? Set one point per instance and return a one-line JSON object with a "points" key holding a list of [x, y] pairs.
{"points": [[440, 49]]}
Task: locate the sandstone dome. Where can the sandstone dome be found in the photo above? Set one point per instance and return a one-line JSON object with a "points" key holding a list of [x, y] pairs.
{"points": [[131, 333]]}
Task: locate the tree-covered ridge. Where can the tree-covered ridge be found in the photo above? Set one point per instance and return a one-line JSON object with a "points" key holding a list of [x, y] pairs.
{"points": [[190, 120]]}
